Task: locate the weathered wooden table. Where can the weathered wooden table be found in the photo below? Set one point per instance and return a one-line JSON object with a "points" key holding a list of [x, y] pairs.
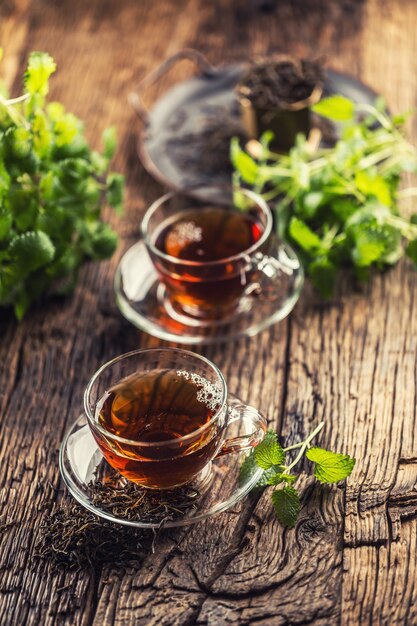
{"points": [[352, 557]]}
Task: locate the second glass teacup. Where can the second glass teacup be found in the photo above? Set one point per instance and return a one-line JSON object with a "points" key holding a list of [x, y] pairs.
{"points": [[160, 416], [210, 258]]}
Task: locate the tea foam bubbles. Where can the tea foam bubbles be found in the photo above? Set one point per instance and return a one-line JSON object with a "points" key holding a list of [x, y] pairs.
{"points": [[208, 393]]}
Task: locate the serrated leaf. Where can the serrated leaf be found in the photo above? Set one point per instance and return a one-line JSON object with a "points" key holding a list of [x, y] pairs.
{"points": [[269, 453], [411, 251], [323, 275], [245, 165], [21, 140], [115, 191], [42, 135], [336, 108], [55, 110], [66, 127], [310, 202], [30, 251], [303, 235], [249, 467], [21, 305], [40, 67], [374, 186], [6, 221], [51, 191], [287, 505], [109, 142], [104, 242], [278, 478], [330, 467], [4, 180], [344, 208]]}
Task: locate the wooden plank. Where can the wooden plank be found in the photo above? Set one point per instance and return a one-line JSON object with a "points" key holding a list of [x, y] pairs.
{"points": [[380, 554], [244, 576], [351, 363], [47, 360], [14, 25]]}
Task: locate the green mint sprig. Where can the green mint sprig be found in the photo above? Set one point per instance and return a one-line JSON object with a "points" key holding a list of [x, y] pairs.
{"points": [[271, 457], [338, 205], [52, 187]]}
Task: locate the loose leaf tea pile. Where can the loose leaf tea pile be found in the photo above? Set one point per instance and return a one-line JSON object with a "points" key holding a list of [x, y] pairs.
{"points": [[339, 206], [272, 84], [52, 186], [329, 467], [74, 537], [123, 498]]}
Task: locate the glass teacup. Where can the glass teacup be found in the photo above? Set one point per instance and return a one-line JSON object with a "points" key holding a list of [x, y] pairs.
{"points": [[210, 258], [160, 416]]}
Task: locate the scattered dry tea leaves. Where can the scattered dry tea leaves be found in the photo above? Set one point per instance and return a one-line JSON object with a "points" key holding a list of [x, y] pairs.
{"points": [[75, 538]]}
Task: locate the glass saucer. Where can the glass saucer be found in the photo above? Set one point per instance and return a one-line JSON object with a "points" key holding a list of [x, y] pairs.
{"points": [[142, 300], [217, 488]]}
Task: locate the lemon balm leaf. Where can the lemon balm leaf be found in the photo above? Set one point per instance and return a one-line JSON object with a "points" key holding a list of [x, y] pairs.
{"points": [[52, 187], [269, 452], [40, 67], [30, 251], [303, 235], [278, 478], [330, 467], [337, 108], [115, 191], [287, 505], [247, 167], [109, 142], [339, 204]]}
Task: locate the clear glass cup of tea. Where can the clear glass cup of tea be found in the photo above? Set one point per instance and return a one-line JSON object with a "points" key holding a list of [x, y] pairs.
{"points": [[210, 258], [160, 416]]}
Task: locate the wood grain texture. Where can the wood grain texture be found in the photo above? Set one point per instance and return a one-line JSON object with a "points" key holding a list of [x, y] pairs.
{"points": [[352, 557]]}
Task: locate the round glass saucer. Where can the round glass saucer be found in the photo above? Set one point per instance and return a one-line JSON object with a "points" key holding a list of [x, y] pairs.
{"points": [[218, 487], [142, 300]]}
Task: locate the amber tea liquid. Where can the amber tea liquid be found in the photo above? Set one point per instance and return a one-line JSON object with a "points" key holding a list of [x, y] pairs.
{"points": [[208, 237], [160, 407]]}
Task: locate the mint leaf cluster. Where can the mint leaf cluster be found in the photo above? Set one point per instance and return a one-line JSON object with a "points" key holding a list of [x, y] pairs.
{"points": [[339, 205], [270, 456], [52, 186]]}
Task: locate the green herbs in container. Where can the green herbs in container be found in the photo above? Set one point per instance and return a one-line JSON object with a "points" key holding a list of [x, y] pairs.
{"points": [[340, 206], [52, 186]]}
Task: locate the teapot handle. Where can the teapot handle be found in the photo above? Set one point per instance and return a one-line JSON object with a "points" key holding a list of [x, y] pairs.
{"points": [[135, 98]]}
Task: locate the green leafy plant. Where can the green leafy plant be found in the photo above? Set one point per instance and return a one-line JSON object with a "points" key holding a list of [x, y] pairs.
{"points": [[52, 186], [271, 457], [338, 205]]}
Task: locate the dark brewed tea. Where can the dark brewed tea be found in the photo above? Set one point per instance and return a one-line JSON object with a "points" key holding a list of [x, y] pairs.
{"points": [[207, 234], [159, 408], [209, 244]]}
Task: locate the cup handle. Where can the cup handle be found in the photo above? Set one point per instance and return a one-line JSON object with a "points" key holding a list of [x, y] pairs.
{"points": [[240, 411], [270, 270]]}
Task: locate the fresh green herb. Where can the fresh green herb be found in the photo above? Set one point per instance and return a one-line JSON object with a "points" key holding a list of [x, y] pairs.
{"points": [[270, 456], [339, 205], [330, 467], [52, 186]]}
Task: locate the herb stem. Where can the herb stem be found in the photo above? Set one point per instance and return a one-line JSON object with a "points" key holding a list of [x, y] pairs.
{"points": [[22, 98], [303, 447], [407, 193], [380, 117]]}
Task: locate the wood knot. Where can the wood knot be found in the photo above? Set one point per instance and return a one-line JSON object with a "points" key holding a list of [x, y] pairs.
{"points": [[310, 529]]}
